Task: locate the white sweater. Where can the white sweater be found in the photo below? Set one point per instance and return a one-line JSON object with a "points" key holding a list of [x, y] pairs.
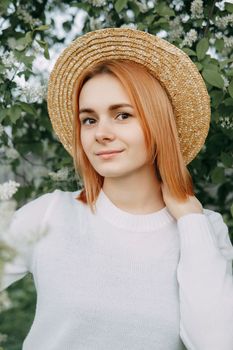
{"points": [[120, 281]]}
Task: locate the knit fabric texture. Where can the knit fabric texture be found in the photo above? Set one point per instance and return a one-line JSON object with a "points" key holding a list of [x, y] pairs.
{"points": [[120, 281]]}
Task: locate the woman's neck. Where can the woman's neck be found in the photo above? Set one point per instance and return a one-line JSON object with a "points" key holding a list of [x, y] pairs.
{"points": [[136, 193]]}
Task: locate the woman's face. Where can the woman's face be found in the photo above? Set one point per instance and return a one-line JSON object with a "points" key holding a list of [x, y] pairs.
{"points": [[106, 127]]}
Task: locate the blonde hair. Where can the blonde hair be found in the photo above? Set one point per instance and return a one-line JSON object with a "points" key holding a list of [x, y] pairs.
{"points": [[155, 114]]}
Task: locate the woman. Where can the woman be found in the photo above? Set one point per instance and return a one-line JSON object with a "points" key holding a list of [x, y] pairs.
{"points": [[132, 260]]}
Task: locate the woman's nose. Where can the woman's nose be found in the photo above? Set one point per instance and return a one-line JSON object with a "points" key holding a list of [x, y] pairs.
{"points": [[104, 131]]}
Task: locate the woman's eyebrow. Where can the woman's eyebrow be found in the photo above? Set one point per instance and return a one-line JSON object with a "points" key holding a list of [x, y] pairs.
{"points": [[111, 108]]}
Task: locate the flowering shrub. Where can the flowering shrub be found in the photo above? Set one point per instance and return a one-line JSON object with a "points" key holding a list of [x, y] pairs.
{"points": [[31, 38]]}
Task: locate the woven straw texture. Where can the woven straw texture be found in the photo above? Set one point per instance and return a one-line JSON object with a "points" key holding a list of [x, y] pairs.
{"points": [[170, 65]]}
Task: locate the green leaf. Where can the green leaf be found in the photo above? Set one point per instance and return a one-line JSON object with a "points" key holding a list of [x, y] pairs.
{"points": [[201, 48], [163, 10], [14, 113], [229, 73], [217, 175], [141, 26], [119, 5], [28, 37], [134, 7], [227, 159], [216, 98], [21, 44], [149, 19], [219, 44], [213, 78], [44, 45], [27, 60], [41, 43], [46, 52], [28, 108], [4, 5], [161, 20], [199, 66], [228, 101], [211, 66], [3, 114], [189, 51], [230, 88], [41, 28], [224, 63], [81, 5], [229, 7]]}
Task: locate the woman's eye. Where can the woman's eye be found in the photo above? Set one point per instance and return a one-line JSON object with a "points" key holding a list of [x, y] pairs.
{"points": [[124, 114], [85, 119]]}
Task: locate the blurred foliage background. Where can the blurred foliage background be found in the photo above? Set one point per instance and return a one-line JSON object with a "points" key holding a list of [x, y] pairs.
{"points": [[32, 34]]}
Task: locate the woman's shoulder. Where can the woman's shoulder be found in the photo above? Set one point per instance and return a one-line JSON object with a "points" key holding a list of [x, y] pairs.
{"points": [[53, 206], [39, 208], [35, 215], [67, 197], [47, 199], [221, 232]]}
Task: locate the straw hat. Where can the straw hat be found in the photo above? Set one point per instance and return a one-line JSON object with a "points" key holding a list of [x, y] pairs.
{"points": [[170, 65]]}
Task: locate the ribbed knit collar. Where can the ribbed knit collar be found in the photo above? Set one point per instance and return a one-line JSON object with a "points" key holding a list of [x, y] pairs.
{"points": [[133, 222]]}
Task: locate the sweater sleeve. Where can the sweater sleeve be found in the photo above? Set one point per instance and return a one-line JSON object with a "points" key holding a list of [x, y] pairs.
{"points": [[27, 227], [205, 281]]}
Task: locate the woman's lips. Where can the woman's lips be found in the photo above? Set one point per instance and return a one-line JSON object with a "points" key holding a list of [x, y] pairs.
{"points": [[109, 155]]}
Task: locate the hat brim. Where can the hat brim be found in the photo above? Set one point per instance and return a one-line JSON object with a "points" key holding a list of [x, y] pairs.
{"points": [[170, 65]]}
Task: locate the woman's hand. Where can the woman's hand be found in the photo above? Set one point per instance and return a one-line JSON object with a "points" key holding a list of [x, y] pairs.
{"points": [[178, 209]]}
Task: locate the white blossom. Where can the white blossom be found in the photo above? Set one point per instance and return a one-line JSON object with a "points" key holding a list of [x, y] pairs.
{"points": [[8, 189], [204, 23], [151, 3], [1, 130], [212, 41], [197, 9], [129, 25], [60, 175], [176, 29], [130, 15], [11, 153], [32, 93], [224, 21], [225, 122], [220, 5], [228, 41], [5, 304], [226, 81], [190, 38], [3, 337], [177, 4], [11, 64], [26, 17], [184, 17], [219, 35], [9, 59], [97, 3], [95, 23]]}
